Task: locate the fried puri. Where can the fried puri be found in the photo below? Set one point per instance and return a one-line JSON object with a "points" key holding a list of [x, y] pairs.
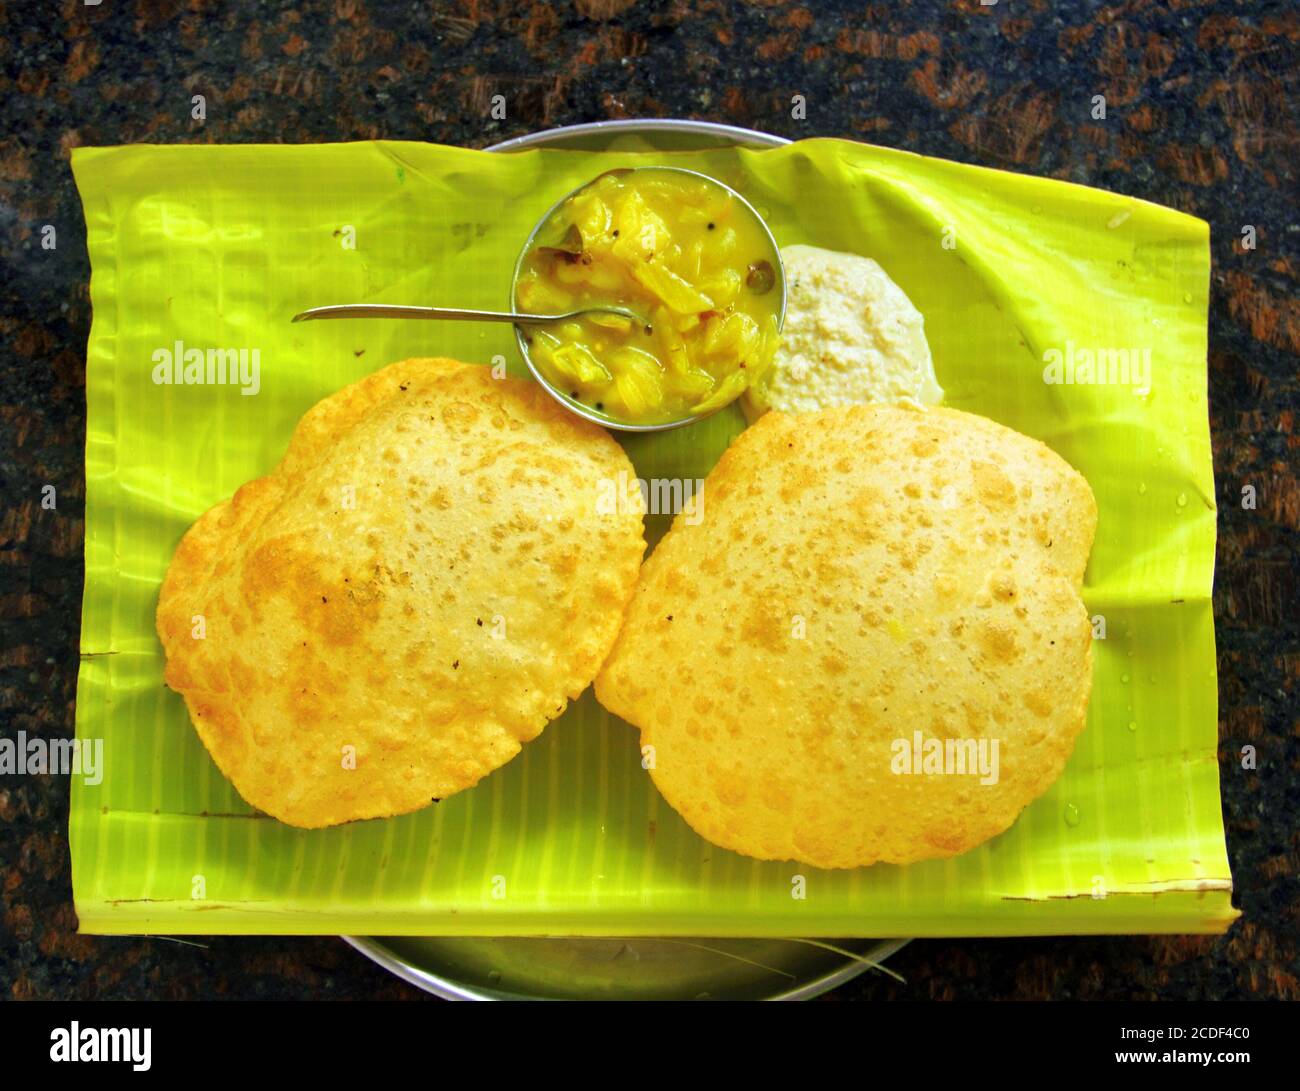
{"points": [[423, 582], [862, 578]]}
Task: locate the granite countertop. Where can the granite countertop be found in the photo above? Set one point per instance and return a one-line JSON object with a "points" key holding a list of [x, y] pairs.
{"points": [[1201, 103]]}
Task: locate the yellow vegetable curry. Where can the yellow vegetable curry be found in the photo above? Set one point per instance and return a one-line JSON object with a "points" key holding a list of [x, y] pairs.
{"points": [[676, 247]]}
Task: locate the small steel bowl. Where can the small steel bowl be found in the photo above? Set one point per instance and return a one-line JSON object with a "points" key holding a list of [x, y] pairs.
{"points": [[586, 411]]}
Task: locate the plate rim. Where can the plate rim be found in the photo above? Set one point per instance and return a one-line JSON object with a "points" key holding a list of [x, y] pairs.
{"points": [[383, 955], [732, 133]]}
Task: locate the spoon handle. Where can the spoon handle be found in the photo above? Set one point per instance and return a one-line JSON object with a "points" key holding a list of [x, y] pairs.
{"points": [[383, 310]]}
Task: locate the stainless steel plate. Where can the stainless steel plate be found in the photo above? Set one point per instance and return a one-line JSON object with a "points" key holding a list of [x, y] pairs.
{"points": [[511, 968], [646, 968]]}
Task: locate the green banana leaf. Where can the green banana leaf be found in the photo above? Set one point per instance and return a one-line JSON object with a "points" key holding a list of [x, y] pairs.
{"points": [[218, 246]]}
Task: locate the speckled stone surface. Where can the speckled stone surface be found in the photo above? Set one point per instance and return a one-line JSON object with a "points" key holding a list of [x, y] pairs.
{"points": [[1202, 112]]}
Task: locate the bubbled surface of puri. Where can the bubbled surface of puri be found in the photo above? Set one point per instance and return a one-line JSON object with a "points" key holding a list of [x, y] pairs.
{"points": [[860, 574], [423, 583]]}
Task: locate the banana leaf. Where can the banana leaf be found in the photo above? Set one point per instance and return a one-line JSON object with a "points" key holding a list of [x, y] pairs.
{"points": [[217, 247]]}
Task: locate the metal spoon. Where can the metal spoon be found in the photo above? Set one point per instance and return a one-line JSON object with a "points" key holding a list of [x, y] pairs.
{"points": [[384, 310]]}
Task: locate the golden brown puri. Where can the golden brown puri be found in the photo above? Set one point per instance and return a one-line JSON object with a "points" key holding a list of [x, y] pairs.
{"points": [[422, 583], [860, 574]]}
